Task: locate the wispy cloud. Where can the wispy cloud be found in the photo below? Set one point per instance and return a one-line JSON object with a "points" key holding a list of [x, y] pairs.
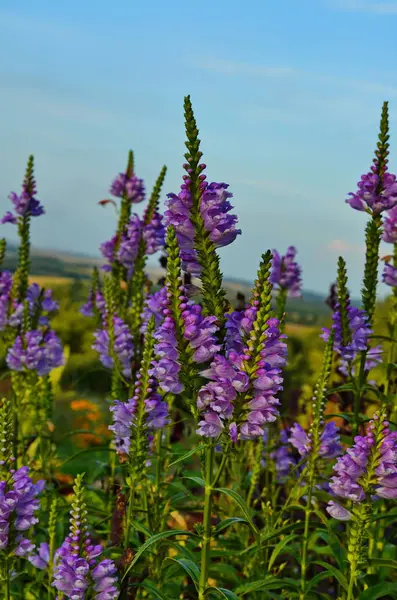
{"points": [[25, 24], [246, 69], [342, 246], [365, 6], [229, 67]]}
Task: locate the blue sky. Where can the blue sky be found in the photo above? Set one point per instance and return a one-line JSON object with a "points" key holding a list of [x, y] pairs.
{"points": [[287, 96]]}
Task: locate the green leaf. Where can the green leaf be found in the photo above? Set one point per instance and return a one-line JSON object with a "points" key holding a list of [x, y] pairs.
{"points": [[262, 584], [347, 387], [242, 504], [278, 548], [335, 572], [382, 337], [187, 455], [229, 521], [153, 540], [197, 480], [316, 579], [285, 529], [157, 593], [224, 593], [189, 566], [383, 562], [379, 591]]}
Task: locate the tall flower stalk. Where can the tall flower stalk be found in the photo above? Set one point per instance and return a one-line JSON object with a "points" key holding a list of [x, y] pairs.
{"points": [[314, 447], [367, 469], [377, 192]]}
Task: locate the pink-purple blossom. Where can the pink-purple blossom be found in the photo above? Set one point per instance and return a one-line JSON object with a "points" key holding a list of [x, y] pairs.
{"points": [[215, 211], [286, 273], [375, 194]]}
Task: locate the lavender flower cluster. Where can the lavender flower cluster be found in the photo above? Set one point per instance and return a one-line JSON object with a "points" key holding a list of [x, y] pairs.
{"points": [[214, 210], [18, 507], [352, 480]]}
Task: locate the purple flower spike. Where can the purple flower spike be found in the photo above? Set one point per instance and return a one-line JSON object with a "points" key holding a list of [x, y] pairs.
{"points": [[36, 351], [76, 566], [133, 187], [360, 331], [123, 414], [373, 195], [154, 234], [154, 306], [123, 346], [286, 273], [18, 505], [166, 367], [330, 446], [214, 209], [351, 479]]}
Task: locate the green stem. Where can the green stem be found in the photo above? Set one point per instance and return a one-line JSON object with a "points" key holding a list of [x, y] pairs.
{"points": [[351, 587], [222, 465], [281, 302], [206, 547], [358, 393], [7, 581], [306, 537], [127, 528]]}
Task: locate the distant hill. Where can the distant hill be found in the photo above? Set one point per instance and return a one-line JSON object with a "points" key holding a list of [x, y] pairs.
{"points": [[68, 265]]}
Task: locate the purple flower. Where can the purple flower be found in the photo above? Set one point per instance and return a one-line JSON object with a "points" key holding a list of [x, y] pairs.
{"points": [[123, 346], [238, 325], [18, 505], [35, 296], [129, 244], [374, 194], [390, 226], [389, 275], [352, 480], [123, 414], [263, 408], [359, 328], [104, 577], [132, 187], [286, 273], [338, 512], [229, 378], [76, 565], [41, 559], [166, 367], [8, 217], [108, 251], [214, 209], [154, 306], [156, 413], [36, 350], [88, 308], [199, 330], [5, 283], [154, 234], [330, 446], [282, 457], [25, 205]]}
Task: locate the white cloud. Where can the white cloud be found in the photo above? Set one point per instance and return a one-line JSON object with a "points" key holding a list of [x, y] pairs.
{"points": [[22, 23], [342, 247], [229, 67], [246, 69]]}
